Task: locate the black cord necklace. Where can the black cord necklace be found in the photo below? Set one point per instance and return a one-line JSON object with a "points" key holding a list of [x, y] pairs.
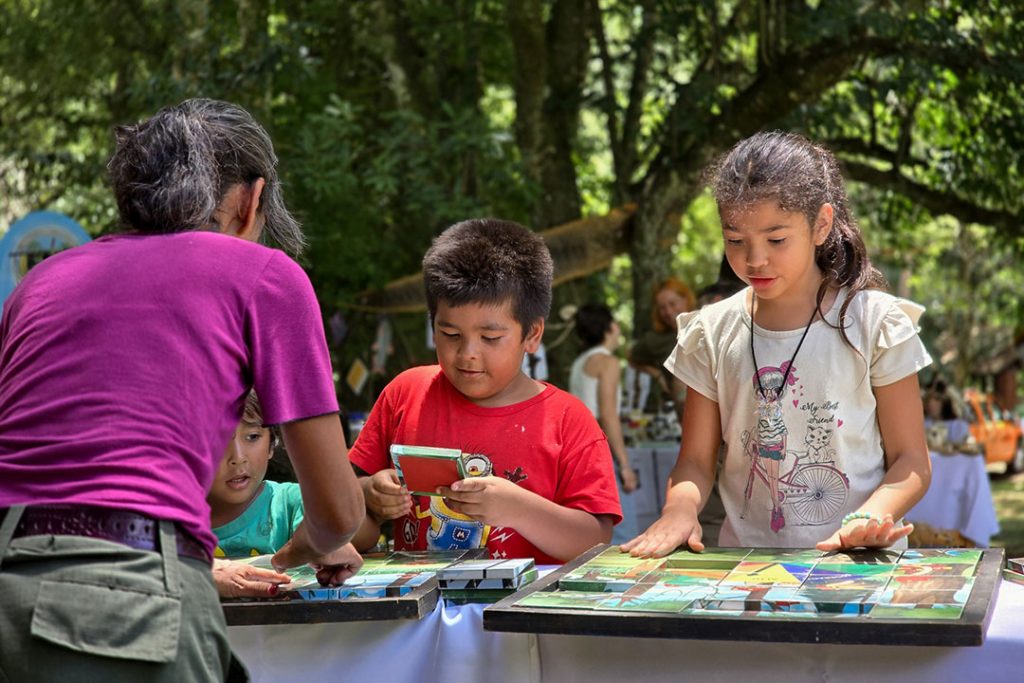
{"points": [[757, 370]]}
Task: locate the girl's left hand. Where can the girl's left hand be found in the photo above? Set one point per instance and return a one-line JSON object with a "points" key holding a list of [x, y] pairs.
{"points": [[866, 533]]}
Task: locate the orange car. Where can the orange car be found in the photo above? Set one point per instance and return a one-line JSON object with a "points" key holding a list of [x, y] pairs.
{"points": [[1000, 438]]}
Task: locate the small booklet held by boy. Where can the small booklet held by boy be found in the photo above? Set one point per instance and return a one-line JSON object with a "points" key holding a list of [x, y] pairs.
{"points": [[422, 469]]}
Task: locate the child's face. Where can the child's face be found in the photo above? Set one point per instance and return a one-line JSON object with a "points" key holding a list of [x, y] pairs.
{"points": [[243, 466], [773, 250], [480, 349]]}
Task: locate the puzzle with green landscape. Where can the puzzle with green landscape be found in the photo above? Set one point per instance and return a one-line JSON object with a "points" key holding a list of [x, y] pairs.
{"points": [[917, 584], [910, 587]]}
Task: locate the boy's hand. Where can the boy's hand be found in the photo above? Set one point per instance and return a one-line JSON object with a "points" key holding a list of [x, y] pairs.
{"points": [[241, 580], [491, 500], [334, 568], [670, 531], [866, 533], [385, 496]]}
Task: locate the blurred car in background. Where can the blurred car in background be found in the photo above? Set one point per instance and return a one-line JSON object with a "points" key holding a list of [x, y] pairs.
{"points": [[1000, 439]]}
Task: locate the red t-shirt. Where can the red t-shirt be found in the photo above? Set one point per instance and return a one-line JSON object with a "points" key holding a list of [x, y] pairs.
{"points": [[549, 444]]}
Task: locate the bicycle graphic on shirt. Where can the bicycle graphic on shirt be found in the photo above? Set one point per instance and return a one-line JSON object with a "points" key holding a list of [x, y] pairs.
{"points": [[815, 491]]}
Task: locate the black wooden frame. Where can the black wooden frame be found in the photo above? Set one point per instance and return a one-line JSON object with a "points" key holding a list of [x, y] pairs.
{"points": [[416, 604]]}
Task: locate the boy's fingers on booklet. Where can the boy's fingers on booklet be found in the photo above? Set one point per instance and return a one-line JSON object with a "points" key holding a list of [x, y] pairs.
{"points": [[386, 482]]}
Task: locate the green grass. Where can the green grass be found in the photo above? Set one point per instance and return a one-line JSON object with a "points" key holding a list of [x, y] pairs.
{"points": [[1008, 496]]}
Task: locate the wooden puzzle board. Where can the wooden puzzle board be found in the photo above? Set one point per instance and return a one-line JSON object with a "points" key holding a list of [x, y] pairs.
{"points": [[389, 586], [913, 597]]}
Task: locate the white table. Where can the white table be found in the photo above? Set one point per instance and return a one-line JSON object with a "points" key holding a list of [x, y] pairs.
{"points": [[960, 498], [450, 646]]}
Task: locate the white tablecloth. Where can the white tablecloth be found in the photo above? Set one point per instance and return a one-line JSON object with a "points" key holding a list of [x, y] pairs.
{"points": [[450, 646], [960, 498]]}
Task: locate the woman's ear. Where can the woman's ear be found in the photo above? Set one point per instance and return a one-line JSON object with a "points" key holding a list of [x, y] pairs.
{"points": [[533, 337], [249, 212]]}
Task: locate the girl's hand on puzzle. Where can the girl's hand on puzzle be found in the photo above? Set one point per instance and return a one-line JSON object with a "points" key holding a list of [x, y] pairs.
{"points": [[385, 496], [241, 580], [491, 500], [334, 568], [671, 530], [879, 531]]}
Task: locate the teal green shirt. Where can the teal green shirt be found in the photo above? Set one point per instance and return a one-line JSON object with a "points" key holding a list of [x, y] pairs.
{"points": [[266, 524]]}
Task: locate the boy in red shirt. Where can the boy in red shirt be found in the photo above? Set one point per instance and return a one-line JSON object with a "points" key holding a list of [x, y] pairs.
{"points": [[541, 482]]}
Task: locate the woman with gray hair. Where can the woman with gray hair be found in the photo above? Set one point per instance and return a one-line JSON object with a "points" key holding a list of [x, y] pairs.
{"points": [[124, 367]]}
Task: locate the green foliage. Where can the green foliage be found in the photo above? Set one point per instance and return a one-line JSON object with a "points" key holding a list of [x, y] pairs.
{"points": [[394, 118], [376, 187]]}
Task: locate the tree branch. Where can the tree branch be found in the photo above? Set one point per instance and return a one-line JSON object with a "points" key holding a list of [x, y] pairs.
{"points": [[935, 201], [643, 48], [608, 101]]}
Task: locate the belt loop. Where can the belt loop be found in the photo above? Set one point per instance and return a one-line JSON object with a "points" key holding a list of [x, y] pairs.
{"points": [[8, 526], [169, 553]]}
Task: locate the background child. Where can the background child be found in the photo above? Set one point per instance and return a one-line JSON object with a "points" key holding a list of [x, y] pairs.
{"points": [[542, 483], [594, 379], [804, 374], [251, 516]]}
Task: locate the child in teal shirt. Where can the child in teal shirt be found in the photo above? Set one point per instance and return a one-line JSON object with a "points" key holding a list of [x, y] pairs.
{"points": [[251, 516]]}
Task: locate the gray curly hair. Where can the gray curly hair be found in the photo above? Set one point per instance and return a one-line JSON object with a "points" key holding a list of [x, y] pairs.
{"points": [[170, 172]]}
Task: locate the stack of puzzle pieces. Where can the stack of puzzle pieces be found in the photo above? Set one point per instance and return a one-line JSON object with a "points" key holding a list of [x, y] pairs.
{"points": [[1014, 570], [912, 584], [485, 580], [389, 575]]}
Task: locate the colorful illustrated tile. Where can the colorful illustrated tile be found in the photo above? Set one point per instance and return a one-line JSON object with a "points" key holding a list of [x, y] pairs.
{"points": [[840, 600], [510, 569], [767, 573], [921, 598], [836, 569], [655, 599], [824, 579], [927, 612], [941, 569], [941, 556], [733, 599], [932, 582], [562, 599], [861, 557], [467, 569], [787, 555], [691, 577], [709, 558]]}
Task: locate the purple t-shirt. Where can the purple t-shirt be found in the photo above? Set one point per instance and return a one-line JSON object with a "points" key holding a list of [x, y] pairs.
{"points": [[124, 366]]}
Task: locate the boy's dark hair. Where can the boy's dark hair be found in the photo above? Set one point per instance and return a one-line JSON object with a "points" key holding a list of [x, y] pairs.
{"points": [[490, 261], [800, 176], [592, 323], [253, 415], [170, 172]]}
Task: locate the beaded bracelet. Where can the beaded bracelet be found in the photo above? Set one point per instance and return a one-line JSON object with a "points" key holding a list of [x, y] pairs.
{"points": [[862, 515]]}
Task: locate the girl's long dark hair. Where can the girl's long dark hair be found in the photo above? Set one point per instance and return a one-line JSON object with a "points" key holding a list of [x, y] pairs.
{"points": [[801, 176]]}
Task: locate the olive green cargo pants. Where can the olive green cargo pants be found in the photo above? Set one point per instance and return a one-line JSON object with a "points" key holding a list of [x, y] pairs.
{"points": [[84, 609]]}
